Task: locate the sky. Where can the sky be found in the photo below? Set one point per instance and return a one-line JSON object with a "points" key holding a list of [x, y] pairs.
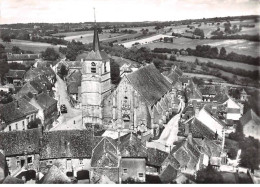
{"points": [[60, 11]]}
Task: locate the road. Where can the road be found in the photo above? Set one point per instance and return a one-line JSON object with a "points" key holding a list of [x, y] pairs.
{"points": [[62, 96]]}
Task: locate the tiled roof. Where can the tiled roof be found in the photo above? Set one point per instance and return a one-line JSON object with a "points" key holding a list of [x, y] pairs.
{"points": [[34, 72], [67, 144], [55, 176], [150, 83], [248, 116], [199, 130], [45, 101], [155, 157], [18, 74], [208, 90], [167, 174], [131, 146], [16, 110], [105, 154], [13, 57], [44, 81], [75, 76], [208, 109], [73, 87], [16, 142], [221, 98], [3, 164]]}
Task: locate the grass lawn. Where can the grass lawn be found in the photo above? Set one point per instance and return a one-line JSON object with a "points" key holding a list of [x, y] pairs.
{"points": [[36, 47]]}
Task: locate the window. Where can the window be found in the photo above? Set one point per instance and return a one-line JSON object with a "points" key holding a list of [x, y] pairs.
{"points": [[18, 163], [23, 126], [29, 160], [80, 161], [140, 175], [10, 128], [105, 67], [8, 163], [93, 67], [125, 171], [16, 126]]}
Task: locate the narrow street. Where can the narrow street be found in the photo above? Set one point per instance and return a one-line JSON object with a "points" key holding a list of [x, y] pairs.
{"points": [[63, 98]]}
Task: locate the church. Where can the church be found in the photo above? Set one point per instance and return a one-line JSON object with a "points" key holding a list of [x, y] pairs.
{"points": [[143, 101]]}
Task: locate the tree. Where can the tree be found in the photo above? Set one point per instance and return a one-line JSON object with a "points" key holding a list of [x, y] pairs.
{"points": [[50, 54], [4, 68], [6, 38], [63, 71], [222, 53], [34, 124], [199, 32], [16, 50], [209, 175]]}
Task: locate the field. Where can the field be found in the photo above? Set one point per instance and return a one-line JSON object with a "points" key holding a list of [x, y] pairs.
{"points": [[36, 47], [208, 28], [239, 46], [219, 62]]}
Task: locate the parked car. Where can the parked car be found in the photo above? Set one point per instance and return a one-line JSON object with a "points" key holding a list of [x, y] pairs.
{"points": [[63, 108]]}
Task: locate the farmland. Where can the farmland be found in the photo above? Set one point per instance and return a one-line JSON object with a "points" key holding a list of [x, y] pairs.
{"points": [[36, 47], [238, 46], [219, 62]]}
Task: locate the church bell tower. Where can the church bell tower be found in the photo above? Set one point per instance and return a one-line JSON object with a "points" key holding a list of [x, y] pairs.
{"points": [[95, 83]]}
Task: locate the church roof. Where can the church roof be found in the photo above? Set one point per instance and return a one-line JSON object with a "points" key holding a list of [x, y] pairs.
{"points": [[150, 83], [96, 45], [97, 55]]}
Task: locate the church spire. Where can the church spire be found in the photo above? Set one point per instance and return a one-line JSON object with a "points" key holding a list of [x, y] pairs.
{"points": [[96, 44]]}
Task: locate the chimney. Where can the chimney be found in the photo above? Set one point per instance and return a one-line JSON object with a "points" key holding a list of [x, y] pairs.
{"points": [[2, 151]]}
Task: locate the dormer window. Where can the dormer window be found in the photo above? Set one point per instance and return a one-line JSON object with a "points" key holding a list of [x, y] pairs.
{"points": [[105, 67], [93, 67]]}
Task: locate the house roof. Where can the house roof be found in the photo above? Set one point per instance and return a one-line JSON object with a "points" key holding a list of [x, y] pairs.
{"points": [[16, 110], [221, 98], [248, 116], [67, 144], [75, 76], [167, 175], [208, 109], [156, 157], [73, 87], [233, 110], [45, 101], [43, 80], [105, 154], [55, 176], [12, 180], [150, 83], [131, 146], [12, 57], [17, 74], [17, 142], [35, 72], [208, 90], [74, 64], [3, 164], [199, 130]]}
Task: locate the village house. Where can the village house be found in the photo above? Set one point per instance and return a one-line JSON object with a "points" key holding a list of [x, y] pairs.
{"points": [[47, 109], [35, 72], [211, 120], [105, 161], [7, 88], [133, 158], [22, 58], [244, 96], [16, 115], [73, 82], [33, 87], [69, 150], [22, 152], [15, 77], [251, 124], [55, 176], [208, 93]]}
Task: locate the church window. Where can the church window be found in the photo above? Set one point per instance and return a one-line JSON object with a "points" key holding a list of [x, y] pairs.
{"points": [[105, 67], [93, 67], [126, 117]]}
